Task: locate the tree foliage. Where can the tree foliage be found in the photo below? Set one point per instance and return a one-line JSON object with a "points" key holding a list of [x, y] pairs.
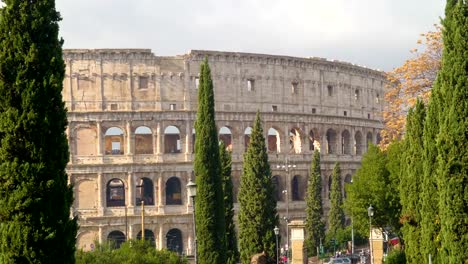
{"points": [[231, 238], [209, 203], [257, 212], [315, 227], [336, 215], [411, 80], [35, 197], [130, 252]]}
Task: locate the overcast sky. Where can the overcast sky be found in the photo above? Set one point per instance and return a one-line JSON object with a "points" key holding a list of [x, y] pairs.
{"points": [[373, 33]]}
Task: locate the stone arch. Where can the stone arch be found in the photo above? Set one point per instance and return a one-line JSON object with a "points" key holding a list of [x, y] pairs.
{"points": [[173, 191], [247, 133], [172, 140], [275, 180], [314, 143], [149, 236], [114, 141], [295, 141], [225, 135], [273, 139], [143, 140], [369, 140], [331, 141], [297, 188], [345, 142], [358, 142], [174, 240], [116, 238], [115, 193], [144, 191], [86, 141]]}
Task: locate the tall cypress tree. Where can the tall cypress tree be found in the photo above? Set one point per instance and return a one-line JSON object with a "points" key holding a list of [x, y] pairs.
{"points": [[257, 212], [452, 170], [231, 239], [410, 183], [35, 197], [315, 227], [209, 203], [336, 215]]}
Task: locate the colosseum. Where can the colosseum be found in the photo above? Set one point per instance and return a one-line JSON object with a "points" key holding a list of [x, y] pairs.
{"points": [[131, 132]]}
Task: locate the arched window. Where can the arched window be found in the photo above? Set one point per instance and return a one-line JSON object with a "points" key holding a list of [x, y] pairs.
{"points": [[173, 191], [174, 240], [144, 191], [276, 187], [358, 140], [114, 141], [225, 136], [369, 139], [172, 140], [296, 189], [143, 140], [116, 239], [331, 141], [149, 236], [273, 140], [357, 95], [345, 143], [295, 143], [247, 133], [115, 193]]}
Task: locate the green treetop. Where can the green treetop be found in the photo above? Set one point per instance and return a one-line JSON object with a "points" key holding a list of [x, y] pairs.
{"points": [[336, 216]]}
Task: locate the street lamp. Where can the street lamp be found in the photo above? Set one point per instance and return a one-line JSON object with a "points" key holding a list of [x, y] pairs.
{"points": [[276, 230], [287, 167], [370, 212], [192, 192]]}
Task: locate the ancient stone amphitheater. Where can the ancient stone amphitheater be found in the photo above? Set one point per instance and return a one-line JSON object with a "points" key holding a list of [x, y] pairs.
{"points": [[131, 131]]}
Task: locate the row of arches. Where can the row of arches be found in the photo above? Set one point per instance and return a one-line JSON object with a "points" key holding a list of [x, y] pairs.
{"points": [[173, 239], [295, 141]]}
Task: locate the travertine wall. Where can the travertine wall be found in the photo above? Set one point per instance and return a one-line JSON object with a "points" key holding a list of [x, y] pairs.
{"points": [[131, 117]]}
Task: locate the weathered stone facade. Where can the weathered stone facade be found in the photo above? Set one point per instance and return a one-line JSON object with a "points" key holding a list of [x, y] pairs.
{"points": [[131, 131]]}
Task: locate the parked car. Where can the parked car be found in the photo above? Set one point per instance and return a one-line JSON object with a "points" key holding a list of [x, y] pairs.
{"points": [[339, 261]]}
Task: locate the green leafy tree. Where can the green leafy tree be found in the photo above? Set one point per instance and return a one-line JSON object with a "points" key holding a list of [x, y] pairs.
{"points": [[209, 204], [410, 183], [35, 197], [336, 215], [231, 239], [373, 185], [257, 212], [315, 227], [452, 170]]}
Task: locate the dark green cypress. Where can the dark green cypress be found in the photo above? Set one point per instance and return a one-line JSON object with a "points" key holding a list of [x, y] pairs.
{"points": [[209, 203], [410, 183], [315, 227], [336, 215], [35, 197], [257, 212], [231, 238], [452, 170]]}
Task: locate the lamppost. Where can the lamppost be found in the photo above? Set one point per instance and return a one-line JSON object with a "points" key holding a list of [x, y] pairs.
{"points": [[276, 230], [287, 167], [192, 192], [370, 212]]}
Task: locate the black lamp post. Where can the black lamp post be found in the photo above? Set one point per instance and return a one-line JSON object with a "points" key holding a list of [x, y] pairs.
{"points": [[192, 192], [370, 212], [276, 230]]}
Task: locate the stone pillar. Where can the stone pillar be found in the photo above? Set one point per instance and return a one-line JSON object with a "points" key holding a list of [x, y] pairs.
{"points": [[101, 186], [99, 138], [131, 191], [377, 245], [299, 251]]}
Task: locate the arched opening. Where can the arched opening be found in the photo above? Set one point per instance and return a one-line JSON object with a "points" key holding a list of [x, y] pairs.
{"points": [[358, 140], [149, 236], [331, 141], [143, 140], [173, 191], [276, 187], [345, 142], [193, 140], [144, 191], [115, 193], [172, 140], [247, 133], [114, 141], [174, 240], [295, 143], [297, 192], [225, 136], [347, 180], [379, 138], [116, 239], [273, 140], [369, 140]]}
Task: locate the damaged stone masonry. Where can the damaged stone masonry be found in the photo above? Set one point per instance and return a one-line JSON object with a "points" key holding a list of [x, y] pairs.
{"points": [[131, 132]]}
